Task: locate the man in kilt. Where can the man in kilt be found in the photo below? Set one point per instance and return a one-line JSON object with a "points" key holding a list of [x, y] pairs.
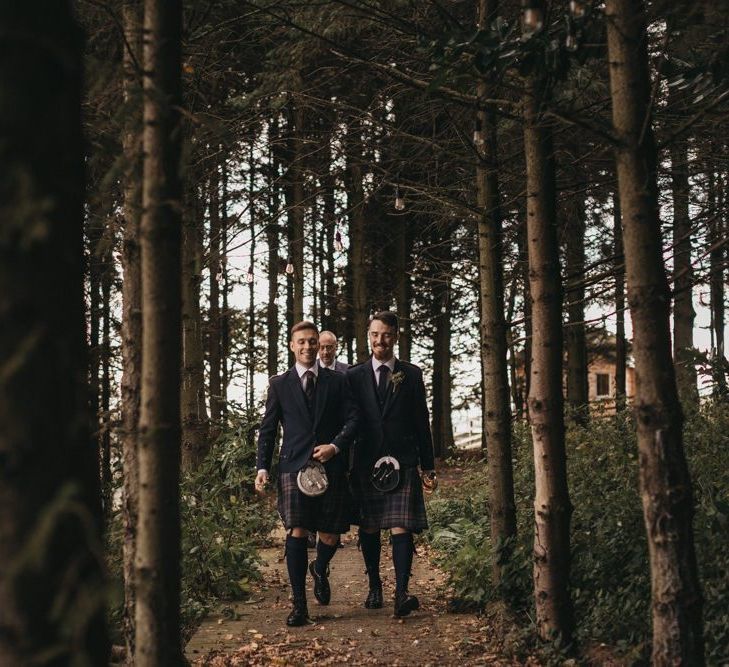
{"points": [[393, 422], [319, 420]]}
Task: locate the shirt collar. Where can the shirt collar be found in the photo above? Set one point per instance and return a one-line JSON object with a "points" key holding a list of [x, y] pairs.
{"points": [[390, 364], [323, 365], [302, 369]]}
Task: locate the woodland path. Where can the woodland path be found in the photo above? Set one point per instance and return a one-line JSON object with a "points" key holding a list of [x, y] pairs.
{"points": [[254, 632]]}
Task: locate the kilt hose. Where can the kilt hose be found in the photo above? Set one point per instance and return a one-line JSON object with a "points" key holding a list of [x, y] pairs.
{"points": [[328, 513], [402, 508]]}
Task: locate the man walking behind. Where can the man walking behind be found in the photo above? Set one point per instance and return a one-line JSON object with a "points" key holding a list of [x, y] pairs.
{"points": [[328, 353], [394, 422], [319, 420]]}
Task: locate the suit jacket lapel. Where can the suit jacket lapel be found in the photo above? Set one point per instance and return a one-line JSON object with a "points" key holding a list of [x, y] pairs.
{"points": [[294, 382], [320, 400], [392, 392]]}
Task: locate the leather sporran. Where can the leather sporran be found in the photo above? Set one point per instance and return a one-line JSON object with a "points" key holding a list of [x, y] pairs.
{"points": [[312, 479], [386, 474]]}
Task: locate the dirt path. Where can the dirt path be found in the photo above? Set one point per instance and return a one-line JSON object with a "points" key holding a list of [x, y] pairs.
{"points": [[344, 632]]}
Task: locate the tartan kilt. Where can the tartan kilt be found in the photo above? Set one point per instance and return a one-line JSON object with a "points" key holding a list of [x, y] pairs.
{"points": [[402, 508], [329, 513]]}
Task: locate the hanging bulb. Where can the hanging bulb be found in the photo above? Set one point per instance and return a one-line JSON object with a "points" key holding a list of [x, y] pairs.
{"points": [[477, 132], [399, 200], [570, 42], [578, 9], [249, 275], [338, 245], [289, 268], [532, 21], [327, 312], [443, 309]]}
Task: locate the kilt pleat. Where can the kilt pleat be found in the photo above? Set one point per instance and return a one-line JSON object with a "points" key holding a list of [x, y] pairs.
{"points": [[402, 508], [328, 513]]}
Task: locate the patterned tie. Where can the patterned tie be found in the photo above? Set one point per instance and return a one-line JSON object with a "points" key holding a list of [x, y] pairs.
{"points": [[309, 386], [384, 372]]}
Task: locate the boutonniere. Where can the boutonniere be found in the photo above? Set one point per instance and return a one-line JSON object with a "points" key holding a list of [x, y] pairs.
{"points": [[397, 378]]}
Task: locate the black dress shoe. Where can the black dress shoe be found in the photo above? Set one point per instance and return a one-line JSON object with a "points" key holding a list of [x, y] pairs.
{"points": [[311, 541], [374, 598], [322, 592], [299, 615], [405, 603]]}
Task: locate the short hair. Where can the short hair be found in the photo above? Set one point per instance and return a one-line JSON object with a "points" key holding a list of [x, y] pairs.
{"points": [[300, 326], [388, 318], [328, 333]]}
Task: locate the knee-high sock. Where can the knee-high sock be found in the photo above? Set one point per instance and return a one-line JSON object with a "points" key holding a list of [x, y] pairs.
{"points": [[402, 557], [370, 545], [324, 553], [296, 562]]}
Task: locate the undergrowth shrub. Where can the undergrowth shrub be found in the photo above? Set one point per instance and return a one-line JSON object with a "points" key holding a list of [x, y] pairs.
{"points": [[223, 523], [610, 574]]}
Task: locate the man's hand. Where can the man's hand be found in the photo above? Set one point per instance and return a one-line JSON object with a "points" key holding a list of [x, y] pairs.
{"points": [[261, 480], [430, 481], [323, 453]]}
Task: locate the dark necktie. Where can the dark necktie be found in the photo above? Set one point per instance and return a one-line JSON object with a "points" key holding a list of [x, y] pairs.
{"points": [[384, 371], [309, 386]]}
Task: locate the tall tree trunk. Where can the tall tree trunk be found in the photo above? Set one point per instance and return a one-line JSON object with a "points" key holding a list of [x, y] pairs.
{"points": [[524, 265], [552, 507], [251, 285], [442, 423], [216, 276], [357, 239], [403, 286], [683, 309], [158, 640], [664, 478], [105, 440], [195, 433], [717, 256], [95, 233], [621, 348], [225, 362], [131, 327], [494, 370], [296, 207], [577, 396], [51, 583], [274, 261]]}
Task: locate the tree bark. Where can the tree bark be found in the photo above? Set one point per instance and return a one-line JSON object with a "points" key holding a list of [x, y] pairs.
{"points": [[494, 369], [403, 286], [158, 640], [105, 439], [357, 240], [621, 348], [717, 258], [577, 381], [51, 583], [274, 261], [296, 207], [195, 426], [683, 309], [552, 507], [214, 332], [131, 327], [664, 478], [442, 423]]}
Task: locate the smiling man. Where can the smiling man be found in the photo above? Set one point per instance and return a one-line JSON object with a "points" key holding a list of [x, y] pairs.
{"points": [[319, 421], [328, 352], [394, 422]]}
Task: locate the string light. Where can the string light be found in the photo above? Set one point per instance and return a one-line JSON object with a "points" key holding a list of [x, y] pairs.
{"points": [[532, 19], [327, 312], [338, 245], [249, 275], [578, 9], [477, 132], [289, 267], [399, 200], [570, 42]]}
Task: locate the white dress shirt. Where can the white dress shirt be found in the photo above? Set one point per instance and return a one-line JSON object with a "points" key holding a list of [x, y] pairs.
{"points": [[376, 364]]}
